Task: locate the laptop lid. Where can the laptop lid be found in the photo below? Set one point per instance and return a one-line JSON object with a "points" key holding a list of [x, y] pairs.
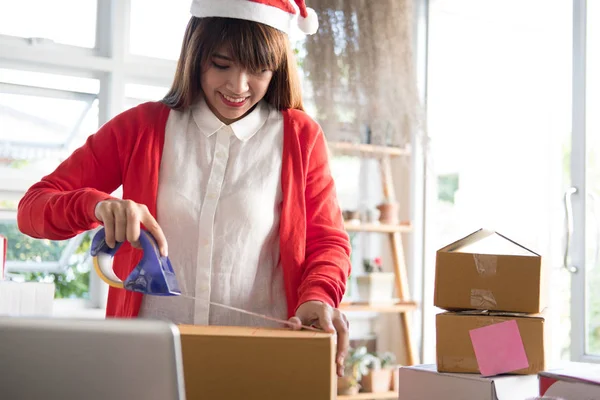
{"points": [[47, 358]]}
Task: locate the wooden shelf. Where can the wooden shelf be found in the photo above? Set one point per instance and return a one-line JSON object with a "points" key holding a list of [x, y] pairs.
{"points": [[368, 396], [370, 149], [380, 308], [381, 228]]}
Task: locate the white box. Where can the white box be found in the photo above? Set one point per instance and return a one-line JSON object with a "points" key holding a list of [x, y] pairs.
{"points": [[573, 381], [26, 298], [424, 382]]}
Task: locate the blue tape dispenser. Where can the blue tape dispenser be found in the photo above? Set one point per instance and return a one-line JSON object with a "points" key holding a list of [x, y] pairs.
{"points": [[153, 275]]}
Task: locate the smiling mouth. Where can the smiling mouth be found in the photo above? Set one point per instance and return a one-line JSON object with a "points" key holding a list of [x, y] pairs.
{"points": [[233, 101]]}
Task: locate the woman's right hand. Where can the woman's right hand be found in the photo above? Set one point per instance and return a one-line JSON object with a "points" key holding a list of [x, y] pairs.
{"points": [[121, 220]]}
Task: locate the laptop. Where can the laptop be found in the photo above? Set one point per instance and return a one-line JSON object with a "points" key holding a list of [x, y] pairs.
{"points": [[63, 359]]}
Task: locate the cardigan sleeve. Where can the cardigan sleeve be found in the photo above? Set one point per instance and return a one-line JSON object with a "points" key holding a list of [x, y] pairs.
{"points": [[327, 260], [62, 204]]}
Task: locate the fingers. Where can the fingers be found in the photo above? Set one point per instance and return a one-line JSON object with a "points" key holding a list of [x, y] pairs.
{"points": [[343, 340], [120, 224], [296, 323], [133, 226], [153, 227], [108, 219], [325, 319], [122, 218]]}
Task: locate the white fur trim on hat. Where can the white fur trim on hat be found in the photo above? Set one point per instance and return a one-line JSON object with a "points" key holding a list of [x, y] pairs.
{"points": [[253, 11], [310, 24]]}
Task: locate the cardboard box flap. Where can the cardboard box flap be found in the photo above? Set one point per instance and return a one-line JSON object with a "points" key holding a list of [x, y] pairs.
{"points": [[540, 315], [507, 389], [489, 242]]}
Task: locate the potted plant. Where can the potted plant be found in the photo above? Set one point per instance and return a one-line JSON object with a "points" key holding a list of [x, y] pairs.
{"points": [[378, 378], [388, 212], [388, 361], [354, 369], [375, 286]]}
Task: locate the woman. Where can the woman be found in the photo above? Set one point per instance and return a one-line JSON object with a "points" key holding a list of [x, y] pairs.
{"points": [[227, 173]]}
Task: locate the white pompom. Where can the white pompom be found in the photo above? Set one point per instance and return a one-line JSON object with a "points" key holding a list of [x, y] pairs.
{"points": [[310, 24]]}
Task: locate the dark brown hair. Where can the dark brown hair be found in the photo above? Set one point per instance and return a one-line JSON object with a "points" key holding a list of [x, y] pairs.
{"points": [[252, 45]]}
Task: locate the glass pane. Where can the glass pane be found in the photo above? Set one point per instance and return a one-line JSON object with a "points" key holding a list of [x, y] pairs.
{"points": [[25, 248], [41, 126], [71, 22], [165, 41], [136, 94], [73, 279], [500, 122], [593, 178]]}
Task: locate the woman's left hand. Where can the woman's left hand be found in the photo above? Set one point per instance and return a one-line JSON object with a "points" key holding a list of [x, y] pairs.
{"points": [[332, 320]]}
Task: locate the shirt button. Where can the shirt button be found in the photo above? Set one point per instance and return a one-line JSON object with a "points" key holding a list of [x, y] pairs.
{"points": [[211, 195], [220, 154]]}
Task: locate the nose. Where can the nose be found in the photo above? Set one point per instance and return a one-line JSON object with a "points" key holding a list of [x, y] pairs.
{"points": [[238, 82]]}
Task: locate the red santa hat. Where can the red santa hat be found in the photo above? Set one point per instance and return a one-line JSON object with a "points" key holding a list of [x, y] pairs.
{"points": [[286, 15]]}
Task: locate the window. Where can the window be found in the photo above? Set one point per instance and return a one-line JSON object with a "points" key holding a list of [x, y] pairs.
{"points": [[157, 28], [71, 22], [499, 117], [44, 117], [592, 177]]}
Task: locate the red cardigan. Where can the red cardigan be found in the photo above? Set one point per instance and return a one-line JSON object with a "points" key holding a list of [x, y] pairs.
{"points": [[127, 151]]}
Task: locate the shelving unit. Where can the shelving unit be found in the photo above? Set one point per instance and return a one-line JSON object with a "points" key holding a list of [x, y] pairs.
{"points": [[381, 228], [403, 303], [368, 149], [399, 307], [370, 396]]}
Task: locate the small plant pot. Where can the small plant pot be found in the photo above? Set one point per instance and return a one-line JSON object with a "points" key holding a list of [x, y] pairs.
{"points": [[347, 386], [376, 287], [388, 213], [351, 216], [377, 380]]}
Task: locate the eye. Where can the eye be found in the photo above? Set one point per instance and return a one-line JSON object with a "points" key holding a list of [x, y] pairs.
{"points": [[219, 66]]}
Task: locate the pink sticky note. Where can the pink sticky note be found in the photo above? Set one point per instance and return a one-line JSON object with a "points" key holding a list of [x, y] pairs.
{"points": [[499, 348]]}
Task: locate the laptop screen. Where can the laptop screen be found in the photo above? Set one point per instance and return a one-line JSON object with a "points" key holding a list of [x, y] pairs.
{"points": [[46, 358]]}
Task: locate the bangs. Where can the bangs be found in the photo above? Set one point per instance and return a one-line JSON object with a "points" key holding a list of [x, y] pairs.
{"points": [[251, 45]]}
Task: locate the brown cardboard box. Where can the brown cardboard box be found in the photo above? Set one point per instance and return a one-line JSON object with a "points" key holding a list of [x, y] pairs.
{"points": [[455, 351], [257, 363], [487, 271]]}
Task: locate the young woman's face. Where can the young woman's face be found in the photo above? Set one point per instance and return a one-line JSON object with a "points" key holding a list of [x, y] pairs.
{"points": [[230, 90]]}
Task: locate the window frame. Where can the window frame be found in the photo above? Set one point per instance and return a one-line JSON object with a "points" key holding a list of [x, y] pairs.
{"points": [[110, 63]]}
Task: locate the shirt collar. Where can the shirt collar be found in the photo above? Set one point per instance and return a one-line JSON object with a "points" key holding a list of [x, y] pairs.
{"points": [[243, 129]]}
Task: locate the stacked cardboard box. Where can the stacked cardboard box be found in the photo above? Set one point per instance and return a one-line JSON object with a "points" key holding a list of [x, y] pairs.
{"points": [[492, 291]]}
